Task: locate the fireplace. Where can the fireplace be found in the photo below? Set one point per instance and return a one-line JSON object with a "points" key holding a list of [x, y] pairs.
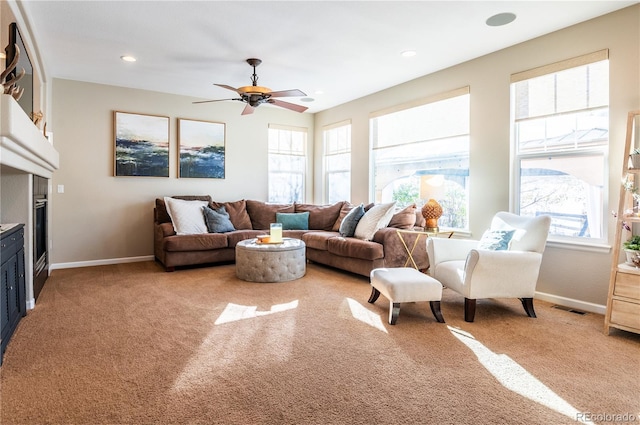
{"points": [[40, 255]]}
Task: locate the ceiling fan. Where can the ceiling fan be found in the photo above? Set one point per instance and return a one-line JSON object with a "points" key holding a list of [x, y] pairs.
{"points": [[255, 95]]}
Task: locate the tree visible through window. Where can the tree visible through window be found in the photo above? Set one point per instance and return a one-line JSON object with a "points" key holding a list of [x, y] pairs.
{"points": [[561, 138]]}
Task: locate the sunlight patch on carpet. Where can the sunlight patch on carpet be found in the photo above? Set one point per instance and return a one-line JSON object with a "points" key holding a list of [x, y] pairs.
{"points": [[234, 312], [361, 313], [516, 378]]}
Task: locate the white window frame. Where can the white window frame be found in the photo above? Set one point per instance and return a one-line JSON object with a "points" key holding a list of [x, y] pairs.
{"points": [[590, 243], [283, 151], [329, 131]]}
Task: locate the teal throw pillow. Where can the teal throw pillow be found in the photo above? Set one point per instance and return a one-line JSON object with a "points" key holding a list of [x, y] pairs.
{"points": [[293, 221], [350, 221], [217, 220], [496, 240]]}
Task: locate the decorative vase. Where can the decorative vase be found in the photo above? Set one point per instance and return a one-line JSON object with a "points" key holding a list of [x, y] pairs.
{"points": [[431, 211]]}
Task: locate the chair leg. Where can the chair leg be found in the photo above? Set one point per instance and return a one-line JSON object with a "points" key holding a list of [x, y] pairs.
{"points": [[394, 311], [435, 309], [374, 295], [527, 303], [469, 309]]}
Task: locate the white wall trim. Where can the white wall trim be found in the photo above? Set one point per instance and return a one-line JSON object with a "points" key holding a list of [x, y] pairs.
{"points": [[572, 303], [101, 262]]}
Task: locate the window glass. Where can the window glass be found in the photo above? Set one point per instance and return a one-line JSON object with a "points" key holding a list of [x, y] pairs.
{"points": [[337, 163], [422, 152], [287, 164], [561, 138]]}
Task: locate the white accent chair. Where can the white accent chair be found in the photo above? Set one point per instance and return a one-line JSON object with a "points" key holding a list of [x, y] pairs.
{"points": [[479, 273]]}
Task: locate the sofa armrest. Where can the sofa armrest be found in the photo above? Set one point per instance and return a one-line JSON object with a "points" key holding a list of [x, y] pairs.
{"points": [[440, 249], [395, 253]]}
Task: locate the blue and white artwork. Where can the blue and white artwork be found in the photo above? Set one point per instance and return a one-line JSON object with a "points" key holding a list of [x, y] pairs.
{"points": [[142, 145], [202, 146]]}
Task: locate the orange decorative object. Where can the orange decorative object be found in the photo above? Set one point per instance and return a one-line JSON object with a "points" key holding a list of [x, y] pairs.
{"points": [[432, 211]]}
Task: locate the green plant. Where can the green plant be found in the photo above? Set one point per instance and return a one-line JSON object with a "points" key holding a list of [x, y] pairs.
{"points": [[636, 151], [633, 243]]}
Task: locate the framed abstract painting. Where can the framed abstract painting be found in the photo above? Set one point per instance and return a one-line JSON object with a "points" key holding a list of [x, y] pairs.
{"points": [[141, 145], [202, 149]]}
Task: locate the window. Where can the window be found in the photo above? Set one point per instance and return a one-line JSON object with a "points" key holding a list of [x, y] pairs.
{"points": [[337, 162], [418, 144], [287, 164], [561, 138]]}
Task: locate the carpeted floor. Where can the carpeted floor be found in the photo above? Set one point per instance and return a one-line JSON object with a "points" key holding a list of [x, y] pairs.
{"points": [[131, 344]]}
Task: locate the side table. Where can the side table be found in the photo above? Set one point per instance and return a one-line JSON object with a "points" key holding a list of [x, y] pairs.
{"points": [[419, 233]]}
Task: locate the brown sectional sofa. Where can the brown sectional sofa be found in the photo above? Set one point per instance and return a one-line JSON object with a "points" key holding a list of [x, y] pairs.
{"points": [[324, 245]]}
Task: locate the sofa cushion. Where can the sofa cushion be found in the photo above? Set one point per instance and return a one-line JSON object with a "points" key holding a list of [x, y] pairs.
{"points": [[202, 242], [350, 222], [217, 220], [293, 221], [355, 248], [321, 217], [376, 218], [186, 216], [344, 210], [262, 214], [239, 235], [161, 214], [405, 218], [318, 240], [237, 213]]}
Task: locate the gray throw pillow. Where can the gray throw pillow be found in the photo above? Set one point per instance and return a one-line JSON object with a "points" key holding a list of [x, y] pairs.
{"points": [[350, 221], [217, 220]]}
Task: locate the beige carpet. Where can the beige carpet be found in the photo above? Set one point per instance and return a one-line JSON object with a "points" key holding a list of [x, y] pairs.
{"points": [[131, 344]]}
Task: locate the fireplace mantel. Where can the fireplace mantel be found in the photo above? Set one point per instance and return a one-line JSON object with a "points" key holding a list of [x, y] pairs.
{"points": [[22, 145]]}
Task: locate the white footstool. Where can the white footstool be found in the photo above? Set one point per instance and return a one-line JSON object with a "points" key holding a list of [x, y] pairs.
{"points": [[405, 284]]}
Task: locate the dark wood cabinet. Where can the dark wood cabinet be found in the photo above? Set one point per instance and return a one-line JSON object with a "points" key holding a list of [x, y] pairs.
{"points": [[12, 283]]}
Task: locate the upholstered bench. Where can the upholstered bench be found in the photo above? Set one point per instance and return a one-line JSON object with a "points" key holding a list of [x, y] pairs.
{"points": [[405, 284]]}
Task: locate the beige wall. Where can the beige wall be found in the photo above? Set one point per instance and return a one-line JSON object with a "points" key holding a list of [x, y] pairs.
{"points": [[577, 274], [101, 217]]}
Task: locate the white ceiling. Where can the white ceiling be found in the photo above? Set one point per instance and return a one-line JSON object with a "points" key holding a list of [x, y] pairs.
{"points": [[347, 49]]}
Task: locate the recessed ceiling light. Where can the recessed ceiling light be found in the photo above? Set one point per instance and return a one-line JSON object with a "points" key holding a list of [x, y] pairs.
{"points": [[408, 53], [501, 19], [307, 99], [319, 92], [128, 58]]}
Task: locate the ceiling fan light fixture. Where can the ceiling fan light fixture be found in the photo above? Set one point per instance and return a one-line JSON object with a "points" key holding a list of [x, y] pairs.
{"points": [[254, 90]]}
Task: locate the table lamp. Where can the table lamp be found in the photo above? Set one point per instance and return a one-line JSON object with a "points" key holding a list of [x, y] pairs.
{"points": [[431, 189]]}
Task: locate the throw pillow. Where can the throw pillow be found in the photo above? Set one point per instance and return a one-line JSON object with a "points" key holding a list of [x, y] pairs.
{"points": [[344, 210], [496, 240], [217, 220], [186, 216], [237, 211], [405, 218], [350, 221], [373, 220], [293, 221]]}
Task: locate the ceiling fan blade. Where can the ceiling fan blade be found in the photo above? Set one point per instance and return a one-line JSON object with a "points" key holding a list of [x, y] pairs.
{"points": [[216, 100], [292, 106], [224, 86], [248, 110], [287, 93]]}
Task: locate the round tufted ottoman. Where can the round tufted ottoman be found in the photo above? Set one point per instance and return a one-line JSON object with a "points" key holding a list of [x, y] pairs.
{"points": [[281, 262]]}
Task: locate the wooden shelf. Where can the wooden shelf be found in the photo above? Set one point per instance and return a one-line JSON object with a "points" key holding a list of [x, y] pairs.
{"points": [[623, 300]]}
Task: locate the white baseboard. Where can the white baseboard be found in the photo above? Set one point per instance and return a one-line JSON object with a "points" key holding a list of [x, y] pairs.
{"points": [[571, 303], [101, 262]]}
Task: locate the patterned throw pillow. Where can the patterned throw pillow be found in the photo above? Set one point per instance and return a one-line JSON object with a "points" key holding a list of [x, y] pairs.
{"points": [[496, 240], [350, 221], [217, 220]]}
